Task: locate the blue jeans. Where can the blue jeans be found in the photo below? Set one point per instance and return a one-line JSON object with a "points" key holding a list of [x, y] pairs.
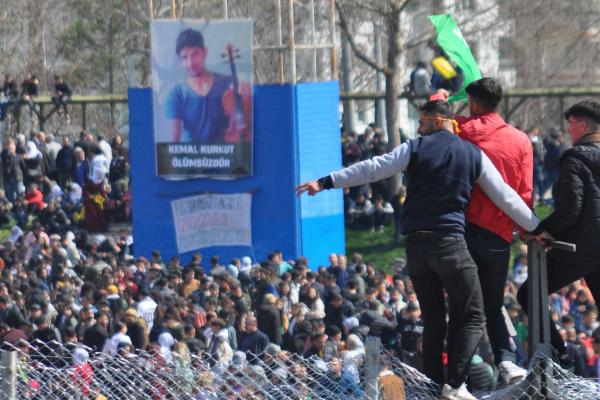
{"points": [[437, 262], [491, 254]]}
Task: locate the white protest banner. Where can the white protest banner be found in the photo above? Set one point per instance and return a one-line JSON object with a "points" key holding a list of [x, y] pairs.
{"points": [[212, 220]]}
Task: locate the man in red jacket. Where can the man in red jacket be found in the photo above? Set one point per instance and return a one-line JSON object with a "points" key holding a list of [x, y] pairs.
{"points": [[489, 230]]}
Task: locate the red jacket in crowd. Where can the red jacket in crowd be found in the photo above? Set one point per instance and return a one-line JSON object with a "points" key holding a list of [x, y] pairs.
{"points": [[510, 151], [35, 197]]}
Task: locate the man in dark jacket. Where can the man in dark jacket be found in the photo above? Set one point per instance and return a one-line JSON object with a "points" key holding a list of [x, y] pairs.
{"points": [[269, 319], [576, 216], [380, 325], [254, 341], [9, 313], [96, 335], [338, 310], [65, 163], [12, 170], [441, 170]]}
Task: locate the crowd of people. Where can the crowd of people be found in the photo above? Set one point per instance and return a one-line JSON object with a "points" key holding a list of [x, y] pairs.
{"points": [[64, 279], [436, 214]]}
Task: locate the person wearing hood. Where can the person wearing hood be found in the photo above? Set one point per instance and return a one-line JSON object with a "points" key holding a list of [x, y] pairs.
{"points": [[72, 251], [99, 166], [166, 341], [33, 165], [94, 197], [82, 373]]}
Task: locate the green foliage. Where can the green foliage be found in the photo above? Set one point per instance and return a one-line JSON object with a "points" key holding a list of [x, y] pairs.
{"points": [[94, 43]]}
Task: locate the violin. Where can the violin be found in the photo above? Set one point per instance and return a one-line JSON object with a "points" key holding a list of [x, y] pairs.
{"points": [[237, 103]]}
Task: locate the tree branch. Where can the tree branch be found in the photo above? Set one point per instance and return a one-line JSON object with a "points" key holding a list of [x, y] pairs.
{"points": [[367, 7], [350, 36]]}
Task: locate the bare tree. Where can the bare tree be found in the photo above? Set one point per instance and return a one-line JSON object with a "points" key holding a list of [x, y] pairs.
{"points": [[389, 12]]}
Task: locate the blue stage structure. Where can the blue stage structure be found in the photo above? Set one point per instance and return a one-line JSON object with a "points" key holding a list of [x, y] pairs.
{"points": [[296, 138]]}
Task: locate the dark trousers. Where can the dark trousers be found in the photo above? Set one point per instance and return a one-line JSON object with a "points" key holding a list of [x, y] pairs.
{"points": [[564, 268], [61, 101], [491, 254], [437, 262]]}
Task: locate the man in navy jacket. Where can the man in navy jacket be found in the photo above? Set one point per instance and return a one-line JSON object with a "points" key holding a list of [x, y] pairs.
{"points": [[441, 170]]}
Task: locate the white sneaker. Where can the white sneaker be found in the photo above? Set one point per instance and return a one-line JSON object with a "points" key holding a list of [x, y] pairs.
{"points": [[511, 372], [449, 393]]}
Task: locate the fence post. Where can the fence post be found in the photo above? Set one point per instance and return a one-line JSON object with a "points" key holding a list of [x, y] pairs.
{"points": [[8, 375], [372, 366]]}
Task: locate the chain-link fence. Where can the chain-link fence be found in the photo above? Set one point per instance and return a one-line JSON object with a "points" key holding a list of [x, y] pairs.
{"points": [[56, 371]]}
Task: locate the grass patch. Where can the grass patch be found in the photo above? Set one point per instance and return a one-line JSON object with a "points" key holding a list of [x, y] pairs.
{"points": [[376, 247], [380, 249]]}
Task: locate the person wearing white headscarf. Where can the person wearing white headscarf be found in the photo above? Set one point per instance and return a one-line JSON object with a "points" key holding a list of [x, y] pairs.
{"points": [[32, 151], [99, 166], [166, 341], [72, 251], [95, 196], [82, 374], [33, 164], [80, 356]]}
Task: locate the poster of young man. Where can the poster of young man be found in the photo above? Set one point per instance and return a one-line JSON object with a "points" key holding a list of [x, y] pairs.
{"points": [[202, 94]]}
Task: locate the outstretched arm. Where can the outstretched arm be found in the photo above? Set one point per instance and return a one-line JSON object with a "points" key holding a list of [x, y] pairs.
{"points": [[375, 169]]}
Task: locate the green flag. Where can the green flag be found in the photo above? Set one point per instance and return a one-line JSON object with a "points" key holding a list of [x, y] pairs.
{"points": [[451, 40]]}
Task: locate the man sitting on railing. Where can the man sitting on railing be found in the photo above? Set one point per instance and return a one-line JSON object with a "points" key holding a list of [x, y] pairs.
{"points": [[63, 94]]}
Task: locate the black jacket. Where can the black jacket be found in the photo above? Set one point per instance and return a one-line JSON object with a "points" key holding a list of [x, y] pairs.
{"points": [[12, 167], [254, 343], [269, 321], [65, 161], [576, 217], [94, 337], [379, 325]]}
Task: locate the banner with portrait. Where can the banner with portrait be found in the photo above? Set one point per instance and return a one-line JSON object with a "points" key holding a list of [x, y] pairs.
{"points": [[202, 96], [212, 220]]}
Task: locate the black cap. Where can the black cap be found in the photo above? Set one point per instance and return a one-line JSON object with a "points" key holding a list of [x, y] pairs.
{"points": [[487, 91], [585, 109]]}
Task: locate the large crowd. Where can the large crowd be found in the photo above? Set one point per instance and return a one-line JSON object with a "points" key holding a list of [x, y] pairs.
{"points": [[66, 278]]}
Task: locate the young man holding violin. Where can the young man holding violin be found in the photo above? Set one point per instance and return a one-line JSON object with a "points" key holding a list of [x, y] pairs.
{"points": [[199, 108]]}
